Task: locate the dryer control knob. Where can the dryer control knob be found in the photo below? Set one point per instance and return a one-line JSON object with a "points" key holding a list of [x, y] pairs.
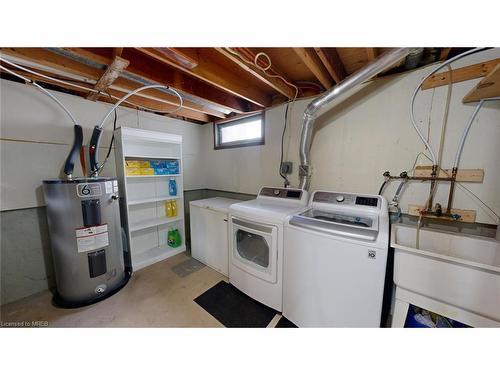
{"points": [[339, 198], [276, 192]]}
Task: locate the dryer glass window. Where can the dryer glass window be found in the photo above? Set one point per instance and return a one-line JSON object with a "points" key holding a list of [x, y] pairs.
{"points": [[252, 247]]}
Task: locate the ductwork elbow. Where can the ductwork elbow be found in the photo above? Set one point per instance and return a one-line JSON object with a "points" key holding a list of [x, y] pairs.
{"points": [[334, 95]]}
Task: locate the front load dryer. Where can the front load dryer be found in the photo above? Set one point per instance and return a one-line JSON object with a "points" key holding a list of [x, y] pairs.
{"points": [[256, 242]]}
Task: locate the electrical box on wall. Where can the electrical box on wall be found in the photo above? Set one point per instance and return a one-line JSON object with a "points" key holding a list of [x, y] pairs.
{"points": [[286, 167]]}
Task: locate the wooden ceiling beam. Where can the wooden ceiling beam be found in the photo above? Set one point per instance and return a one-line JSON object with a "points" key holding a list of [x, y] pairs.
{"points": [[65, 66], [176, 56], [372, 53], [314, 64], [184, 84], [213, 74], [275, 83], [150, 102], [117, 52], [332, 62], [443, 55], [162, 107], [112, 72]]}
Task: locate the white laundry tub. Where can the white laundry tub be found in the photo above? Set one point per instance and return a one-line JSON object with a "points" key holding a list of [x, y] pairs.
{"points": [[454, 270]]}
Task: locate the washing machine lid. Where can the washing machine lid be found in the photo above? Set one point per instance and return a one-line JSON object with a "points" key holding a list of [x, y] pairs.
{"points": [[338, 223]]}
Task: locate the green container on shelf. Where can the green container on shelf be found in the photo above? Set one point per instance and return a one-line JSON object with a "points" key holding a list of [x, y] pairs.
{"points": [[174, 238]]}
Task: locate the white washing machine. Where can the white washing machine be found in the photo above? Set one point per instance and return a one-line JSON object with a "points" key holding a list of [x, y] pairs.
{"points": [[335, 261], [256, 242]]}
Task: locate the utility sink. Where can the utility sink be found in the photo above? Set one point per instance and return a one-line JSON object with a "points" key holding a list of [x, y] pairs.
{"points": [[454, 269]]}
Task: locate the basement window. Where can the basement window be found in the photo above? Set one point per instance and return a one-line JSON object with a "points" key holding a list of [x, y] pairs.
{"points": [[247, 131]]}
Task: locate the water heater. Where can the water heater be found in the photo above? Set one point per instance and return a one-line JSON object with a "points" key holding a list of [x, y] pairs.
{"points": [[86, 236]]}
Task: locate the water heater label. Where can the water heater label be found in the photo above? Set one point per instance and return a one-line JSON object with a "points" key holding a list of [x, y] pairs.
{"points": [[109, 187], [92, 238], [88, 190]]}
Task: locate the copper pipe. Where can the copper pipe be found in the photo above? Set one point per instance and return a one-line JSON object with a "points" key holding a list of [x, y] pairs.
{"points": [[452, 189]]}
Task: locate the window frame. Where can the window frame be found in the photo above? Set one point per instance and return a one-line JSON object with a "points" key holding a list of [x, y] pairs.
{"points": [[217, 126]]}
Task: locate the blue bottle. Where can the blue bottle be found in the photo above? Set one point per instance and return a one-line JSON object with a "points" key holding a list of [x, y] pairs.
{"points": [[172, 187]]}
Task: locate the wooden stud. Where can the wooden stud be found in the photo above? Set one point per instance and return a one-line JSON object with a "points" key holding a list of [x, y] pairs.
{"points": [[273, 82], [332, 62], [117, 52], [112, 72], [314, 64], [215, 75], [461, 74], [443, 55], [489, 87], [371, 53], [466, 216], [463, 175]]}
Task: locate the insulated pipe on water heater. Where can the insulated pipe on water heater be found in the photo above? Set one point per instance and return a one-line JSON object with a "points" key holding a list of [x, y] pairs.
{"points": [[335, 95]]}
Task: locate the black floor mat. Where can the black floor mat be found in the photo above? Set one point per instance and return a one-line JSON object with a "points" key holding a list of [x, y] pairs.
{"points": [[233, 308], [285, 323]]}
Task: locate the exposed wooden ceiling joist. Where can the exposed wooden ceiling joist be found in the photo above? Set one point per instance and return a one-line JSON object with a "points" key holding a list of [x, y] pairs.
{"points": [[331, 60], [314, 64], [214, 74], [173, 54], [372, 53], [443, 55], [150, 102], [112, 72], [274, 82], [155, 70], [66, 65], [117, 52]]}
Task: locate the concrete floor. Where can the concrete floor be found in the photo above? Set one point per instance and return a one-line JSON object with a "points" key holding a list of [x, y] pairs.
{"points": [[154, 297]]}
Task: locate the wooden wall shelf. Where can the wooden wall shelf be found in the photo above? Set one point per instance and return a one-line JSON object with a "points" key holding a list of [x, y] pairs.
{"points": [[463, 175], [461, 74], [489, 87]]}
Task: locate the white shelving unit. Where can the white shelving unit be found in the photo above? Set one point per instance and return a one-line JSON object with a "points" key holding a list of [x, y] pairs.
{"points": [[146, 195]]}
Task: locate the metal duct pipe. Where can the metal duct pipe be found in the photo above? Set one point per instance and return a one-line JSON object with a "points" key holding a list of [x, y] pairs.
{"points": [[335, 95]]}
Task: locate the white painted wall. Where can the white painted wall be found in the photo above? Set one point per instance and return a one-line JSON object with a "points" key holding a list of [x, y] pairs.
{"points": [[369, 134], [36, 135], [353, 144]]}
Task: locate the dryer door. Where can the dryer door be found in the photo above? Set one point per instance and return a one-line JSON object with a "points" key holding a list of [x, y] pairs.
{"points": [[255, 248]]}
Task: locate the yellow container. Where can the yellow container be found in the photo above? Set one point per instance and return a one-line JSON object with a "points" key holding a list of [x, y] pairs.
{"points": [[147, 171], [132, 171], [168, 209], [137, 163], [174, 208]]}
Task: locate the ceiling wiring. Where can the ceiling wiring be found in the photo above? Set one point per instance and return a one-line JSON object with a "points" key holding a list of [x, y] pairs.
{"points": [[88, 89], [265, 69], [46, 92]]}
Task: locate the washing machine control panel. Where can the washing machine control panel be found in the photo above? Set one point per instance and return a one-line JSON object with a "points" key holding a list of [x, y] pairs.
{"points": [[346, 199], [281, 193]]}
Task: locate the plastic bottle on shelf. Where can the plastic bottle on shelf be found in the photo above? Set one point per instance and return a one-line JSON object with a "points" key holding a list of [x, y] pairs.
{"points": [[172, 187], [174, 207], [174, 238], [169, 209]]}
